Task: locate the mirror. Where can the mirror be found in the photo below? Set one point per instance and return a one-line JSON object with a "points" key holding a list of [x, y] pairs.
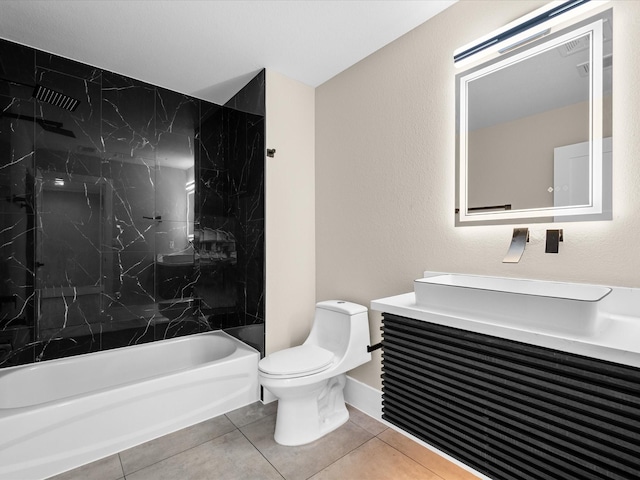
{"points": [[534, 130]]}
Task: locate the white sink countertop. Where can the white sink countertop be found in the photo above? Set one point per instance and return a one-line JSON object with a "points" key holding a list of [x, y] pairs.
{"points": [[591, 320]]}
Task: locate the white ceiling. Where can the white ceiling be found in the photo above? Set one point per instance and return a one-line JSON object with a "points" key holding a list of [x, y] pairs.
{"points": [[210, 49]]}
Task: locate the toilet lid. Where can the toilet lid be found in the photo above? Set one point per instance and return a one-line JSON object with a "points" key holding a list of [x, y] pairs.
{"points": [[302, 360]]}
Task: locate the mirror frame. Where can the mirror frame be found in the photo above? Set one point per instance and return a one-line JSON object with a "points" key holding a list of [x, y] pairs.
{"points": [[594, 29]]}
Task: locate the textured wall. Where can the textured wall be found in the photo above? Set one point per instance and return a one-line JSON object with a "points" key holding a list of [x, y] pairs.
{"points": [[385, 172], [290, 227]]}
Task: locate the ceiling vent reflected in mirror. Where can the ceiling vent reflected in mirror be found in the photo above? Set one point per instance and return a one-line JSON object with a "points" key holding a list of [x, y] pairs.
{"points": [[574, 46], [584, 69]]}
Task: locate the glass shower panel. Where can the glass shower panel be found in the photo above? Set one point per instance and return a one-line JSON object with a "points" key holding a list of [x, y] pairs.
{"points": [[68, 233], [216, 229], [68, 260], [17, 223], [128, 255], [129, 167], [175, 271]]}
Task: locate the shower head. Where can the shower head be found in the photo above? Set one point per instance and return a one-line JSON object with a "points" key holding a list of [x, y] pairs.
{"points": [[45, 94]]}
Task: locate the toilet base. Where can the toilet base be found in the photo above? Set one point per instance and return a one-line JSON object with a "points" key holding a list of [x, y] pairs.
{"points": [[306, 414]]}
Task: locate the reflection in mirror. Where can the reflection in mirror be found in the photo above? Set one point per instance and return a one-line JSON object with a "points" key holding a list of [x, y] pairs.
{"points": [[531, 128]]}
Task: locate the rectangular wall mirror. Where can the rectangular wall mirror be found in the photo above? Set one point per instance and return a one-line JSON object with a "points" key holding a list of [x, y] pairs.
{"points": [[533, 129]]}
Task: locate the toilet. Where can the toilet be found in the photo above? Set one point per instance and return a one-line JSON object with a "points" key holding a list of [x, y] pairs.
{"points": [[309, 379]]}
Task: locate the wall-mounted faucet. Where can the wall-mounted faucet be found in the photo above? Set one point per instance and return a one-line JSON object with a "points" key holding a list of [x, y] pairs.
{"points": [[554, 237], [516, 247]]}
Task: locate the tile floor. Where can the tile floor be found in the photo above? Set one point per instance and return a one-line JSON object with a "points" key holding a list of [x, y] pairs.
{"points": [[240, 445]]}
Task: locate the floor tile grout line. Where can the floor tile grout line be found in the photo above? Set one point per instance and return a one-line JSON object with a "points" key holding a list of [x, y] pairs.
{"points": [[237, 428], [323, 468], [247, 424], [260, 452], [410, 458], [124, 475], [174, 454], [347, 453]]}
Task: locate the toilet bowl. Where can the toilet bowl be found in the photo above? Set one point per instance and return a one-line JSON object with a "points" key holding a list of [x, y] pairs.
{"points": [[309, 379]]}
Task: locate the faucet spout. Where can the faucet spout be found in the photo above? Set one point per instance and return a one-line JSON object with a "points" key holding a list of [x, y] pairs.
{"points": [[516, 247]]}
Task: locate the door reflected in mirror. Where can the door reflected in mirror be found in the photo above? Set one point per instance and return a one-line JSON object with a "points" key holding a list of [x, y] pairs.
{"points": [[519, 115]]}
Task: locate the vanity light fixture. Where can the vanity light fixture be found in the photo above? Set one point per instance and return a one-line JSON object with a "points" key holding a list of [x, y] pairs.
{"points": [[519, 32]]}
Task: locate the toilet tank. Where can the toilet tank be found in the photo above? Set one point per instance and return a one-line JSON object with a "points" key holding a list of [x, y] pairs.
{"points": [[339, 324]]}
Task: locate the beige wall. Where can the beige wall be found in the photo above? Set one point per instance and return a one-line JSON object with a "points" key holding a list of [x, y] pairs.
{"points": [[512, 162], [385, 172], [511, 165], [289, 204]]}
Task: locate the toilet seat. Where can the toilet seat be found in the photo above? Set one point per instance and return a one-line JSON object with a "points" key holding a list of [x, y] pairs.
{"points": [[296, 361]]}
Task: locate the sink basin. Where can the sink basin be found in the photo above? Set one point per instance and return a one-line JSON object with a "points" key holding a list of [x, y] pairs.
{"points": [[530, 304]]}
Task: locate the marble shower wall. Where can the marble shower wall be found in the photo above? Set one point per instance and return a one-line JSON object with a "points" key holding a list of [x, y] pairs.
{"points": [[136, 217], [230, 180]]}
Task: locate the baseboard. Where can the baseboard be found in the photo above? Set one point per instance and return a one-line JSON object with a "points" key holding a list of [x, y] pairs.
{"points": [[363, 397]]}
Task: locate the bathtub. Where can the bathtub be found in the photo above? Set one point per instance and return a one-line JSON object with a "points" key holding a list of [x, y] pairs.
{"points": [[61, 414]]}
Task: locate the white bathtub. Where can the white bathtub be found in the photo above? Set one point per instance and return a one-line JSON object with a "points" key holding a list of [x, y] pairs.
{"points": [[60, 414]]}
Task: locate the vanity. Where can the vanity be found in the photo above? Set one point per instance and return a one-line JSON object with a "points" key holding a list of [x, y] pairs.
{"points": [[519, 379]]}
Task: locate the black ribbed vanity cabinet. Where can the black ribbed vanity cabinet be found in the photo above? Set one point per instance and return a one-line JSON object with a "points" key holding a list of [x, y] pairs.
{"points": [[511, 410]]}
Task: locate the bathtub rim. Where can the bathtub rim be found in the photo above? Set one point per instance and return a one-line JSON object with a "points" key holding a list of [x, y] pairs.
{"points": [[10, 411]]}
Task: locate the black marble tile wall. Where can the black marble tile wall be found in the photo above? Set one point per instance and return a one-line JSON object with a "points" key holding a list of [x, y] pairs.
{"points": [[137, 216], [251, 98]]}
